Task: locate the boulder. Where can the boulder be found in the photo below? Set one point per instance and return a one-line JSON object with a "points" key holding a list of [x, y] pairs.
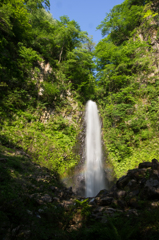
{"points": [[99, 209], [104, 201], [122, 182], [54, 189], [132, 183], [102, 193], [3, 159], [152, 183], [155, 173], [92, 202], [151, 192], [120, 194], [133, 202], [155, 164], [145, 165], [121, 203], [134, 193], [137, 174], [154, 204], [46, 198], [55, 199], [67, 204]]}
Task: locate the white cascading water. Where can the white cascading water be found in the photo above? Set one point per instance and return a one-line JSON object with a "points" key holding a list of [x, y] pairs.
{"points": [[94, 174]]}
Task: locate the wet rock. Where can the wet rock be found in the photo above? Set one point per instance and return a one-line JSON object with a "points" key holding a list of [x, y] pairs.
{"points": [[46, 198], [152, 183], [142, 182], [92, 201], [39, 201], [77, 219], [61, 195], [70, 189], [132, 212], [55, 199], [37, 215], [99, 209], [152, 193], [120, 194], [47, 176], [104, 201], [34, 196], [145, 165], [154, 161], [155, 173], [155, 164], [40, 210], [132, 183], [104, 219], [121, 204], [113, 188], [151, 189], [97, 215], [54, 189], [122, 182], [110, 211], [3, 159], [134, 193], [154, 204], [102, 193], [15, 230], [111, 194], [41, 187], [67, 204], [29, 212], [133, 202], [137, 174]]}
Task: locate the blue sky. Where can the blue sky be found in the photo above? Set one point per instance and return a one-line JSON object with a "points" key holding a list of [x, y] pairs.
{"points": [[87, 13]]}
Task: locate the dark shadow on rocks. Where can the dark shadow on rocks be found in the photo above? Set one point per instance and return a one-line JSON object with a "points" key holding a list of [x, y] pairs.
{"points": [[31, 196], [35, 205]]}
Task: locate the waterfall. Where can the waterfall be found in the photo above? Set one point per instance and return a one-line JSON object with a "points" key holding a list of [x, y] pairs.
{"points": [[94, 174]]}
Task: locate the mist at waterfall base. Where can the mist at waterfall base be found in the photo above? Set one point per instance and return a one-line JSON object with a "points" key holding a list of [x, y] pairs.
{"points": [[94, 172]]}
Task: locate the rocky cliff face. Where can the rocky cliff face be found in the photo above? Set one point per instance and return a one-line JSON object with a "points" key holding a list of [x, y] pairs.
{"points": [[148, 32]]}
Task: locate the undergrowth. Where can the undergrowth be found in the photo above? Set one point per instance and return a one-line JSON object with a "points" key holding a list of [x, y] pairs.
{"points": [[142, 227], [49, 144]]}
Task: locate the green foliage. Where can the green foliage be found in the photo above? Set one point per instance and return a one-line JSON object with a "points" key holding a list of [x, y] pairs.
{"points": [[38, 4], [126, 93], [121, 21], [30, 38], [82, 78], [49, 144], [86, 209], [28, 54], [41, 61], [122, 227]]}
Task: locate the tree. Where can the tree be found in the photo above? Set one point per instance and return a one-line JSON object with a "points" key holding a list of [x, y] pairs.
{"points": [[36, 4], [121, 21], [89, 44]]}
